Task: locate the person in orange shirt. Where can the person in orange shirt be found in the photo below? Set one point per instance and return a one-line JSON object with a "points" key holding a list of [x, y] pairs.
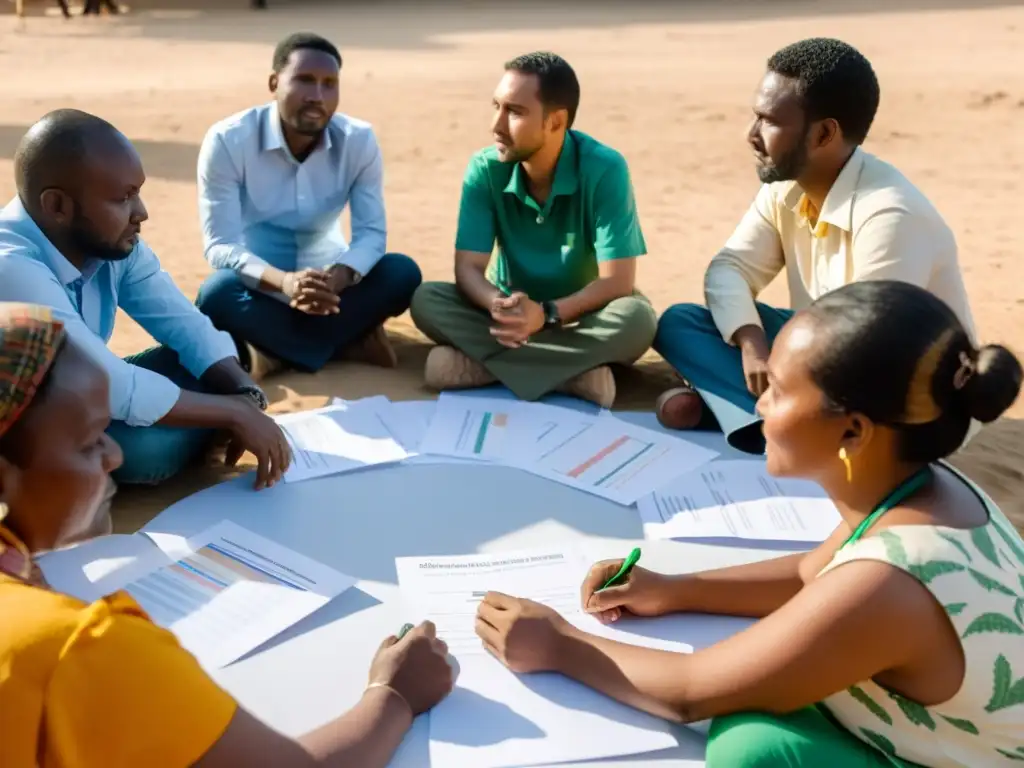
{"points": [[101, 685]]}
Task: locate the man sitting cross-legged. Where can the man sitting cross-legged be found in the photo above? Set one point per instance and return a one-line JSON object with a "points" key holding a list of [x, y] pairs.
{"points": [[70, 241], [273, 182], [827, 212], [558, 303]]}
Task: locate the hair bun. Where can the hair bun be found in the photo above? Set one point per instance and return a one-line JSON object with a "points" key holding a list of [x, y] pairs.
{"points": [[994, 384]]}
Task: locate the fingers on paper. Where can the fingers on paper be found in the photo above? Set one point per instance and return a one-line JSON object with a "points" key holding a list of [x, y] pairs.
{"points": [[597, 577], [499, 600]]}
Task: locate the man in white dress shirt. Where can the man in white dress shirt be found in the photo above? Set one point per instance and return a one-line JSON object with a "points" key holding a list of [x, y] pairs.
{"points": [[273, 182], [828, 213]]}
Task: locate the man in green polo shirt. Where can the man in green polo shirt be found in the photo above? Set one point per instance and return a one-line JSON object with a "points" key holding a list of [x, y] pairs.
{"points": [[555, 303]]}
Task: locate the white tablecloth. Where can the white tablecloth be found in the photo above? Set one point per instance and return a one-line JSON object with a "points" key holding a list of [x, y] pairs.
{"points": [[360, 522]]}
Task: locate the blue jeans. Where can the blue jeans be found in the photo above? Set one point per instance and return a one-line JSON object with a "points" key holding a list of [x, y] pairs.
{"points": [[154, 454], [689, 339], [309, 342]]}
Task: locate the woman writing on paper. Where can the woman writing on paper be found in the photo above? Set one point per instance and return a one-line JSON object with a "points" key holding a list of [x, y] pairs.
{"points": [[900, 640], [100, 685]]}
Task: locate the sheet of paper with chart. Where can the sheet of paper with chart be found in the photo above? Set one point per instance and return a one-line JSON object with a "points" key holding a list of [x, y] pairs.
{"points": [[470, 427], [495, 718], [222, 593], [738, 499], [227, 590], [335, 439], [497, 429], [614, 459]]}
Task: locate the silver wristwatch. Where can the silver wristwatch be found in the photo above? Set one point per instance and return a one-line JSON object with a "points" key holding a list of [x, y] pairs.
{"points": [[256, 394]]}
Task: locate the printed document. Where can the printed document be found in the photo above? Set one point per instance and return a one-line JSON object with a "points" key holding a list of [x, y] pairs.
{"points": [[499, 429], [335, 439], [738, 499], [495, 718], [614, 459], [222, 593]]}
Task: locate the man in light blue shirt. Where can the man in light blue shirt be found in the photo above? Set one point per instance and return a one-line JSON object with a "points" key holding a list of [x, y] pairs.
{"points": [[70, 241], [273, 181]]}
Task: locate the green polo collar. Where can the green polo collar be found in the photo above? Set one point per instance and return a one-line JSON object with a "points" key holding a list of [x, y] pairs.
{"points": [[566, 182]]}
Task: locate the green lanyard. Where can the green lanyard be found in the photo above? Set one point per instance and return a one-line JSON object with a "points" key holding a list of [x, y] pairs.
{"points": [[899, 494]]}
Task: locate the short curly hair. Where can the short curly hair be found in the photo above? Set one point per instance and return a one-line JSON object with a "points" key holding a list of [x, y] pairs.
{"points": [[303, 41], [835, 80]]}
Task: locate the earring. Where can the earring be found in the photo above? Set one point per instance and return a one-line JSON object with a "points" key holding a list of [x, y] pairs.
{"points": [[3, 511], [845, 458]]}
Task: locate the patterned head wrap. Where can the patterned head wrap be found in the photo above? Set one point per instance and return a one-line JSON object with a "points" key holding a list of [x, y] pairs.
{"points": [[30, 338]]}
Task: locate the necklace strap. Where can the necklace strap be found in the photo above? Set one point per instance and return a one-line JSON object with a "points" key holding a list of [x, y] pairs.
{"points": [[897, 496]]}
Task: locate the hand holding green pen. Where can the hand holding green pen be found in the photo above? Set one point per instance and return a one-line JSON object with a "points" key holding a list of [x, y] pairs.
{"points": [[624, 570], [615, 587]]}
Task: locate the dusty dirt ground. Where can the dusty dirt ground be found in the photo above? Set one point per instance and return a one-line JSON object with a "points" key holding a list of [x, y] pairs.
{"points": [[669, 84]]}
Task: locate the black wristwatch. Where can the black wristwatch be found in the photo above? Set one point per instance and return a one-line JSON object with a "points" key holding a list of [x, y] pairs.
{"points": [[255, 394], [551, 317]]}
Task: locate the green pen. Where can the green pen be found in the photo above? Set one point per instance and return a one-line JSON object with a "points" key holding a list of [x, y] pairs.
{"points": [[627, 566], [406, 629]]}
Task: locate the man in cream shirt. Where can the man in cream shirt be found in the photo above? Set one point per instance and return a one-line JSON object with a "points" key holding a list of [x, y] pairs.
{"points": [[828, 212]]}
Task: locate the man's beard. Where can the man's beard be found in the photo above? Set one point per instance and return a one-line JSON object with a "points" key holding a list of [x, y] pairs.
{"points": [[789, 166], [85, 241], [520, 155]]}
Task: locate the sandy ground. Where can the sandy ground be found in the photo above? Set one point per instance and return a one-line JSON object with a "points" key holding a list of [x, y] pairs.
{"points": [[669, 84]]}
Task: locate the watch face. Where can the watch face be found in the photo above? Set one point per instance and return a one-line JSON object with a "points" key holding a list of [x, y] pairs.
{"points": [[550, 314]]}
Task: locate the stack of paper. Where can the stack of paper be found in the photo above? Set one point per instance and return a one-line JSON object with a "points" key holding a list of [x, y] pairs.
{"points": [[495, 718], [222, 593], [592, 452], [337, 438], [738, 499]]}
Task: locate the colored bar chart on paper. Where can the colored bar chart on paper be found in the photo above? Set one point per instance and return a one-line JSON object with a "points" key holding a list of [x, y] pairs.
{"points": [[617, 460], [229, 590], [499, 429], [482, 433], [470, 427]]}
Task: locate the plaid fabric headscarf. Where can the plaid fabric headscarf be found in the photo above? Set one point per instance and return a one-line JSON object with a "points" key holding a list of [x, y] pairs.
{"points": [[30, 339]]}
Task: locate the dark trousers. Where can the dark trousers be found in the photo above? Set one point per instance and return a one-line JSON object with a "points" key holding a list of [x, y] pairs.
{"points": [[155, 453], [689, 339], [308, 342]]}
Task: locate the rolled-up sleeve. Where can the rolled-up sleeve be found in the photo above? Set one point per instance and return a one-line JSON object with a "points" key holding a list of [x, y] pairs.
{"points": [[150, 297], [220, 212], [750, 260], [366, 206], [137, 396]]}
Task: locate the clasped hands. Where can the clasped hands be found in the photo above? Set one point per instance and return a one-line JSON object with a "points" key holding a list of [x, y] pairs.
{"points": [[317, 291], [517, 317]]}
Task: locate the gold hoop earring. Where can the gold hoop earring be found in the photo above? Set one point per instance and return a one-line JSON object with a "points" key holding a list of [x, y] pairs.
{"points": [[845, 458]]}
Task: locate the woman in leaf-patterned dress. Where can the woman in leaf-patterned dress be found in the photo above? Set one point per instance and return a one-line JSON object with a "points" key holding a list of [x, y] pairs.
{"points": [[897, 642]]}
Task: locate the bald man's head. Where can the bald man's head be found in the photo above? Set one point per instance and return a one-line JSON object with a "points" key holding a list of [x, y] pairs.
{"points": [[79, 179]]}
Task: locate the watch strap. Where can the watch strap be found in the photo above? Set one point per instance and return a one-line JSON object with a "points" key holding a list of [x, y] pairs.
{"points": [[255, 394], [551, 317]]}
